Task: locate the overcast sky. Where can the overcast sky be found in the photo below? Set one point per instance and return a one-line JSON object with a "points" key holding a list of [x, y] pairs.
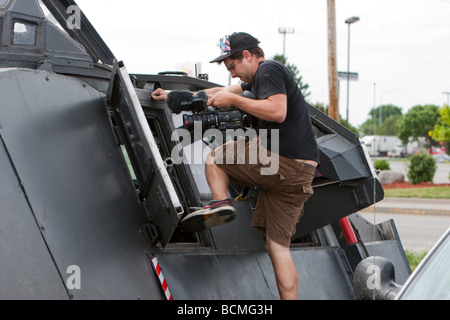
{"points": [[399, 48]]}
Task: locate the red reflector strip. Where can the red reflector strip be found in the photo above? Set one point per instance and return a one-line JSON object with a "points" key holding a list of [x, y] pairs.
{"points": [[163, 282]]}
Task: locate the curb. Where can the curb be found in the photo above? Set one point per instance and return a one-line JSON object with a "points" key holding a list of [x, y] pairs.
{"points": [[434, 212]]}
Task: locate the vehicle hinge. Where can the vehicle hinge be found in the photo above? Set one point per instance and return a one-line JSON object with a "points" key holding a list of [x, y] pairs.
{"points": [[115, 129], [151, 234]]}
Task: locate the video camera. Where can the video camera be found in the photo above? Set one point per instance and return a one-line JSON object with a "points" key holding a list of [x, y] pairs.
{"points": [[210, 117]]}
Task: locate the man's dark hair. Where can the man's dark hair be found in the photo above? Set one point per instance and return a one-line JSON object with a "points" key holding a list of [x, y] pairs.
{"points": [[257, 52]]}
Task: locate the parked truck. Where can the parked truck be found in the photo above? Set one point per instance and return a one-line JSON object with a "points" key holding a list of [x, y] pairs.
{"points": [[381, 145]]}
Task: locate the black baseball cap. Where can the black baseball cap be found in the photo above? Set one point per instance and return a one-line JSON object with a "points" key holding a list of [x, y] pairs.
{"points": [[236, 42]]}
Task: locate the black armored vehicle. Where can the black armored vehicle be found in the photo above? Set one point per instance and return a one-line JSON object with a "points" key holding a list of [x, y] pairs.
{"points": [[91, 196]]}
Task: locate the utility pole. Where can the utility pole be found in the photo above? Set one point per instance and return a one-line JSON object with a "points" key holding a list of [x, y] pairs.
{"points": [[333, 110]]}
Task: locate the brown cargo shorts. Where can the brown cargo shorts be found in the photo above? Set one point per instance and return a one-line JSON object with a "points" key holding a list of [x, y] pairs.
{"points": [[284, 186]]}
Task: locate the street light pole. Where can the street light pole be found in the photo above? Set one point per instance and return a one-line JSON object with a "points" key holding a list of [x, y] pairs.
{"points": [[283, 31], [349, 21], [448, 94]]}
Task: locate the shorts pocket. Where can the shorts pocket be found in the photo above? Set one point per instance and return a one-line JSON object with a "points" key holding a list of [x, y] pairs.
{"points": [[307, 189]]}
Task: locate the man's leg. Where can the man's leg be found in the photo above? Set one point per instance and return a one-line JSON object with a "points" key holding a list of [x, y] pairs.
{"points": [[220, 209], [285, 271], [217, 179]]}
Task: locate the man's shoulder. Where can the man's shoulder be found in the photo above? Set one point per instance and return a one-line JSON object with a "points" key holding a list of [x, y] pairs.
{"points": [[274, 66]]}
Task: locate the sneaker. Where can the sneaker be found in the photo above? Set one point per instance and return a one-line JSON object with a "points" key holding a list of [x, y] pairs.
{"points": [[215, 213]]}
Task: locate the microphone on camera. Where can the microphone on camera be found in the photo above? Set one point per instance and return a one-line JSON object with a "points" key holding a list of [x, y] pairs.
{"points": [[183, 100]]}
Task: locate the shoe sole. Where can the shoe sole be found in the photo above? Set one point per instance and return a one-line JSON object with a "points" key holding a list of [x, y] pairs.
{"points": [[198, 221]]}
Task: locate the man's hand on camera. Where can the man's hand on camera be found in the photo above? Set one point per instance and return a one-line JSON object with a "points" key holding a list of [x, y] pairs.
{"points": [[159, 95], [221, 99]]}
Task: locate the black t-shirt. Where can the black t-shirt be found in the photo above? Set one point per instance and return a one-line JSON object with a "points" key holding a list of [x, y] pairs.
{"points": [[296, 136]]}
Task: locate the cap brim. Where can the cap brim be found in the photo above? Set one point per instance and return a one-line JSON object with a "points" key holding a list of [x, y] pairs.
{"points": [[220, 58]]}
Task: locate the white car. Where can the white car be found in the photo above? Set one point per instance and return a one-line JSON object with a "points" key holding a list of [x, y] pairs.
{"points": [[431, 279], [374, 277]]}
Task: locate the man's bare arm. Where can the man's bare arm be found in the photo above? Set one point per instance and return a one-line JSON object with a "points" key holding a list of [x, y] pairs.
{"points": [[235, 88], [273, 109]]}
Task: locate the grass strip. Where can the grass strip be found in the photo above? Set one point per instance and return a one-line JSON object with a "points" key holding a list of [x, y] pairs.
{"points": [[427, 192]]}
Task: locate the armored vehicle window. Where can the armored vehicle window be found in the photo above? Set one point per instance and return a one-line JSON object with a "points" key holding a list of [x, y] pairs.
{"points": [[1, 28], [24, 33], [3, 2]]}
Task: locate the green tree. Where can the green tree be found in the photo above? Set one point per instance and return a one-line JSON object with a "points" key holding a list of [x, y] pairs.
{"points": [[389, 113], [295, 72], [385, 111], [418, 122], [368, 127], [441, 131], [388, 127]]}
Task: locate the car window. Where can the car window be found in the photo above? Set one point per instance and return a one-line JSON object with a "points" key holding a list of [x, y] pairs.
{"points": [[433, 280]]}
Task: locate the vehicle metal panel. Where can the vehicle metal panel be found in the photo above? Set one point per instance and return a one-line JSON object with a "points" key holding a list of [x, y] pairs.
{"points": [[76, 181], [27, 270], [241, 276]]}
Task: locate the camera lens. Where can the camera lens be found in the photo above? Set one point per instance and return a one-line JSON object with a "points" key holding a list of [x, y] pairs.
{"points": [[207, 120]]}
